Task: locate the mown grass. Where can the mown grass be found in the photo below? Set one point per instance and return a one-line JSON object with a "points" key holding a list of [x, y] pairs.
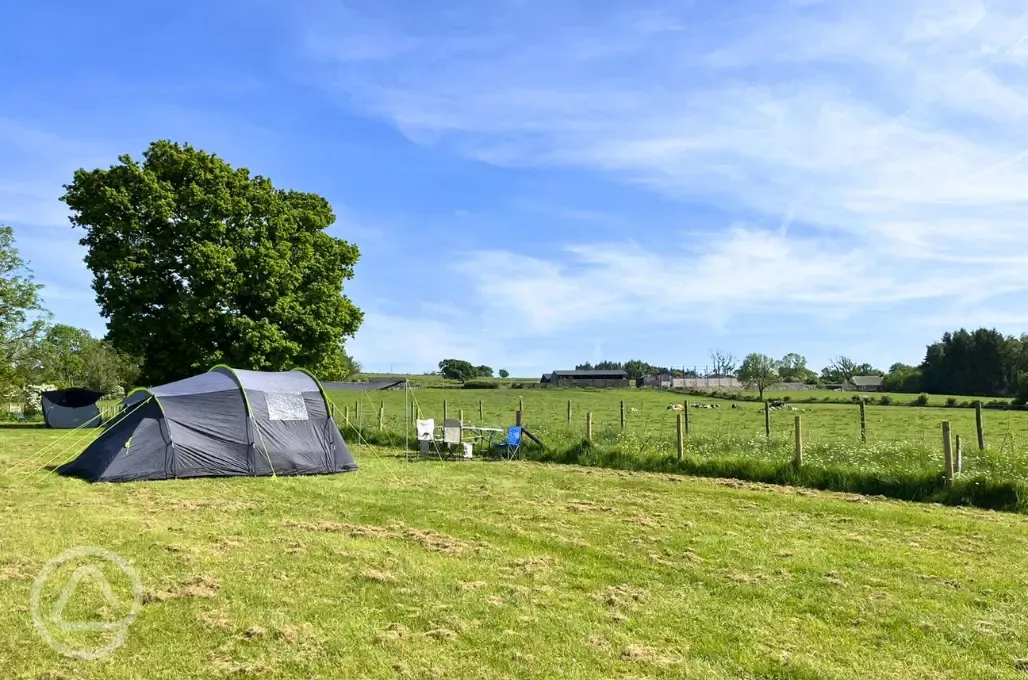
{"points": [[497, 570]]}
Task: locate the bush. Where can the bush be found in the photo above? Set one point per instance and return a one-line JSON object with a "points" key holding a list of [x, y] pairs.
{"points": [[480, 385], [922, 400], [33, 399], [951, 402], [885, 400], [116, 393]]}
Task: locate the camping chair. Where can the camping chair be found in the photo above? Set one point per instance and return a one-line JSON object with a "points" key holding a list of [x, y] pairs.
{"points": [[510, 447], [425, 434], [451, 434]]}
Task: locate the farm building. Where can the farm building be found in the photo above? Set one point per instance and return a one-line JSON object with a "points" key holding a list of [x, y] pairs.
{"points": [[867, 383], [661, 381], [594, 378]]}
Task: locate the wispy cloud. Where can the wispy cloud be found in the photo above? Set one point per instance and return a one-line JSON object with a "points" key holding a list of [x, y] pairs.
{"points": [[884, 139]]}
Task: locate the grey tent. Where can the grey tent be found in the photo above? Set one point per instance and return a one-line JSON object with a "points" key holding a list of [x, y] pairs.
{"points": [[218, 424], [71, 408]]}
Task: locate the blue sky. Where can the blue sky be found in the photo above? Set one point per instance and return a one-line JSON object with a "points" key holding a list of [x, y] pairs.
{"points": [[533, 184]]}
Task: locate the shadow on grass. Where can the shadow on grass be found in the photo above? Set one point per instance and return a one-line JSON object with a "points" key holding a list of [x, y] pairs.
{"points": [[22, 426]]}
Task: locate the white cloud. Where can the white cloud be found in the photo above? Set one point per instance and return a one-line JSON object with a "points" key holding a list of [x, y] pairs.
{"points": [[890, 132]]}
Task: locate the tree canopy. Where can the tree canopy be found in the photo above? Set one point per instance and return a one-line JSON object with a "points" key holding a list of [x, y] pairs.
{"points": [[793, 368], [722, 363], [457, 369], [635, 368], [197, 263], [70, 357], [980, 363], [22, 317], [844, 368], [759, 371]]}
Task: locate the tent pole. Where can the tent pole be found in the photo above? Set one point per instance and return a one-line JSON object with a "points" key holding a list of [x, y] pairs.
{"points": [[406, 420]]}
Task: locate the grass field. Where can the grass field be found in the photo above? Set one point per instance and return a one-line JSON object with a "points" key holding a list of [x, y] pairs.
{"points": [[899, 438], [504, 570], [831, 396]]}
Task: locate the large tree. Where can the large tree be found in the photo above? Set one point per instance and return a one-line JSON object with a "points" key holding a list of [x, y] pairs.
{"points": [[759, 371], [60, 355], [980, 363], [902, 378], [793, 368], [722, 363], [70, 357], [457, 369], [844, 368], [197, 263], [22, 317]]}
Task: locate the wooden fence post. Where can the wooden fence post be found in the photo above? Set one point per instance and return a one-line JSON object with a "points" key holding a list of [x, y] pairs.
{"points": [[460, 413], [863, 422], [481, 411], [685, 412], [381, 416], [767, 419], [444, 410], [798, 459], [519, 418], [346, 414], [589, 426], [947, 449], [958, 465], [978, 425], [681, 435], [521, 404], [569, 411], [622, 415]]}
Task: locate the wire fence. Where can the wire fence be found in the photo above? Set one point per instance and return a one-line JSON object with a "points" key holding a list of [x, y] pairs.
{"points": [[887, 439]]}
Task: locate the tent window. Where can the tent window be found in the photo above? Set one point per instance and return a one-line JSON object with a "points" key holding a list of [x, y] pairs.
{"points": [[286, 406]]}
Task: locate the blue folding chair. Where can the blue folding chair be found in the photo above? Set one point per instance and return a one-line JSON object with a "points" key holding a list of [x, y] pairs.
{"points": [[510, 447]]}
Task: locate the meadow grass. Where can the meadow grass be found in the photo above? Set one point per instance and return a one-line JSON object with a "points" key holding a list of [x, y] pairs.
{"points": [[502, 570], [902, 456]]}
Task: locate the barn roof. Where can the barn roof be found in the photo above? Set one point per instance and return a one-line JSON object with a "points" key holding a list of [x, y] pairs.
{"points": [[589, 374]]}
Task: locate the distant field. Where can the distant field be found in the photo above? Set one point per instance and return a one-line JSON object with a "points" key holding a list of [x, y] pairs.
{"points": [[899, 439], [897, 398], [490, 571]]}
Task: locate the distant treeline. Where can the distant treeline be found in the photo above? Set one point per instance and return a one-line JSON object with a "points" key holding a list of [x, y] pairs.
{"points": [[980, 363]]}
